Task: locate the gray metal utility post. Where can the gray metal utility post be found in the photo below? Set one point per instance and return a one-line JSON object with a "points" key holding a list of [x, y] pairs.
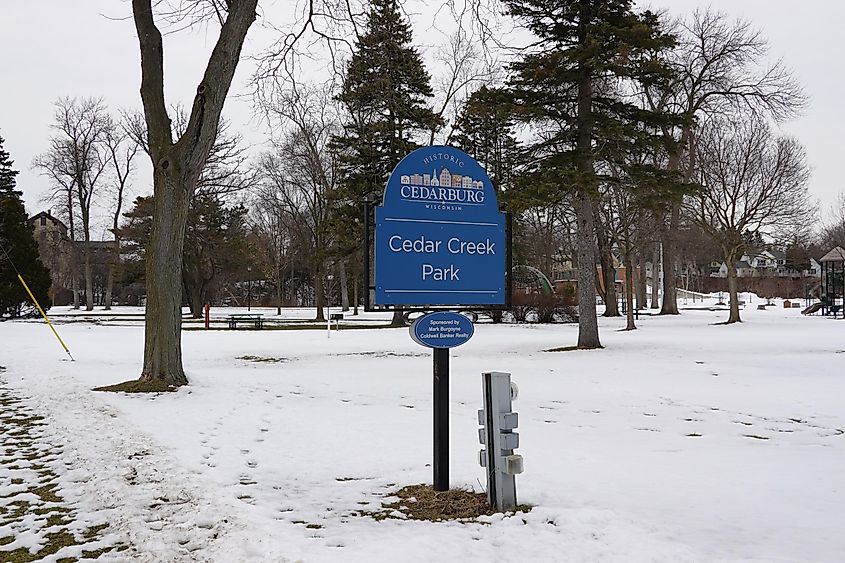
{"points": [[499, 439]]}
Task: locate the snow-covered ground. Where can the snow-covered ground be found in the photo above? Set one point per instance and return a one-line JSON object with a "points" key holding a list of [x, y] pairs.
{"points": [[682, 441]]}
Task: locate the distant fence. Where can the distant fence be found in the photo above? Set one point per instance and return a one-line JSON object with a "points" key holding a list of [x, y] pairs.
{"points": [[691, 295]]}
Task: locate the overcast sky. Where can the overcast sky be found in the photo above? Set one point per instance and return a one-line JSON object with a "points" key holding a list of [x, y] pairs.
{"points": [[54, 48]]}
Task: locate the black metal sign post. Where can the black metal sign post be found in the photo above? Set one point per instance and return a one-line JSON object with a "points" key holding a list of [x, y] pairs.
{"points": [[441, 419]]}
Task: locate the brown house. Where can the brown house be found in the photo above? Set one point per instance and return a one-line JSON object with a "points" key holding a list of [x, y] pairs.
{"points": [[54, 249]]}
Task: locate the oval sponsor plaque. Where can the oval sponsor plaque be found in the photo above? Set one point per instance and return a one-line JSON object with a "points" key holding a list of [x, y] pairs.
{"points": [[443, 329]]}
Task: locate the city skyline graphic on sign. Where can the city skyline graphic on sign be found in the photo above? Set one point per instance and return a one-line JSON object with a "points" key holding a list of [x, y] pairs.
{"points": [[445, 179], [444, 188]]}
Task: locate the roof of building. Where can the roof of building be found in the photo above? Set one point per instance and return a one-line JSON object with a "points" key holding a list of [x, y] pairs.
{"points": [[48, 216], [778, 254], [835, 255]]}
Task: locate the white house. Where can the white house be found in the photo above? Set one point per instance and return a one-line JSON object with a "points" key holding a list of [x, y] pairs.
{"points": [[766, 263]]}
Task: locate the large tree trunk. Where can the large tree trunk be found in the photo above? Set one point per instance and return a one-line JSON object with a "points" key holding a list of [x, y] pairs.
{"points": [[89, 279], [588, 327], [398, 318], [640, 283], [195, 295], [629, 290], [163, 320], [732, 290], [176, 168], [670, 283], [113, 267], [278, 289], [344, 287], [655, 276], [109, 287], [355, 295], [611, 303], [608, 272], [319, 295], [193, 285], [74, 275]]}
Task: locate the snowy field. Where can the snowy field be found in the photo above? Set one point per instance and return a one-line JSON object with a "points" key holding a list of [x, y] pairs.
{"points": [[682, 441]]}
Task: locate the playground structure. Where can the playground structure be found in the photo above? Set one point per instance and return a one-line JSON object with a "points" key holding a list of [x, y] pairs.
{"points": [[832, 287], [530, 280]]}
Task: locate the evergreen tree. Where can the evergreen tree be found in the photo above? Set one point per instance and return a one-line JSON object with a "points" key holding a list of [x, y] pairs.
{"points": [[215, 245], [485, 130], [18, 247], [589, 54], [384, 94]]}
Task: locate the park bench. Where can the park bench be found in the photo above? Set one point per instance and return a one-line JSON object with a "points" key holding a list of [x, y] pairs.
{"points": [[256, 320]]}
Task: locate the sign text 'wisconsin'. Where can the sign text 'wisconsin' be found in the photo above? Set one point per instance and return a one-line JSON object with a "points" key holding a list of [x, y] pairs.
{"points": [[440, 238]]}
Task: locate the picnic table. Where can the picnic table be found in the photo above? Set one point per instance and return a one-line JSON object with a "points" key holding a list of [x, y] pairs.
{"points": [[255, 319]]}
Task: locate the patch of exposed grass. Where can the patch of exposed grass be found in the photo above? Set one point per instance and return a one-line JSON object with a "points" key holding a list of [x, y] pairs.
{"points": [[139, 386], [94, 531], [263, 359], [95, 553], [422, 502], [47, 493], [21, 435], [386, 354], [58, 520]]}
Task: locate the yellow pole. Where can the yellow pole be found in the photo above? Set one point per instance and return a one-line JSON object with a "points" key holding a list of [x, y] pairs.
{"points": [[43, 314]]}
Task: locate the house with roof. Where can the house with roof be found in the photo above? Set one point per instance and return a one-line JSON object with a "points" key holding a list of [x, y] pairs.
{"points": [[54, 249], [766, 263]]}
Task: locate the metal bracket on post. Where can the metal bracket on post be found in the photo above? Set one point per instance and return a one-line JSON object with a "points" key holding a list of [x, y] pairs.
{"points": [[499, 439]]}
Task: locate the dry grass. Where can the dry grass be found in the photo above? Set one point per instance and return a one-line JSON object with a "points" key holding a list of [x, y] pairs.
{"points": [[422, 502], [138, 386]]}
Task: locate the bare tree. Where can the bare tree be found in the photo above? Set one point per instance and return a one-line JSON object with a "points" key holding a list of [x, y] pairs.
{"points": [[226, 171], [77, 161], [273, 236], [300, 174], [720, 69], [833, 232], [463, 69], [177, 166], [605, 219], [121, 150], [755, 184], [61, 194]]}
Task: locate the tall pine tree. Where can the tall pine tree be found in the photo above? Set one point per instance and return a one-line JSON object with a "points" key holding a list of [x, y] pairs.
{"points": [[384, 94], [485, 130], [588, 53], [19, 249]]}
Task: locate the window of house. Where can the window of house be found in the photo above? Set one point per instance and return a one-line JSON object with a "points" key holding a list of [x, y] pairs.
{"points": [[43, 221]]}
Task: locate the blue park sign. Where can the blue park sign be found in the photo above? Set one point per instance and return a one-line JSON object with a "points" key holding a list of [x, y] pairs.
{"points": [[440, 237]]}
